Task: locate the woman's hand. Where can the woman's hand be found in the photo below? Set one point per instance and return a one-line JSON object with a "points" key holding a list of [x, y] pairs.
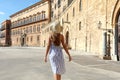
{"points": [[45, 59], [70, 58]]}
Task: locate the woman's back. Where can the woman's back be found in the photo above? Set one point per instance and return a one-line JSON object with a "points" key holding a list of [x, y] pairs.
{"points": [[55, 38]]}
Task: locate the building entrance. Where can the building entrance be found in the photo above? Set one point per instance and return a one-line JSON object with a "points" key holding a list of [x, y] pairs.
{"points": [[23, 39], [118, 36], [22, 42]]}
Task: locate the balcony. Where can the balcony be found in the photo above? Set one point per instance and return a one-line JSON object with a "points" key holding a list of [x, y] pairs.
{"points": [[14, 25]]}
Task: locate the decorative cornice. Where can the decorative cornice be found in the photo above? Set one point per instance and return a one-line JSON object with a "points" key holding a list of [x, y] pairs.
{"points": [[29, 23], [38, 3]]}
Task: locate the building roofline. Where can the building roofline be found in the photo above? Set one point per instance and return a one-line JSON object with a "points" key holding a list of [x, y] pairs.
{"points": [[5, 21], [40, 2]]}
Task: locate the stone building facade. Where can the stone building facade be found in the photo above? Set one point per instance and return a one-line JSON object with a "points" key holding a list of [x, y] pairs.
{"points": [[5, 37], [27, 24], [89, 25]]}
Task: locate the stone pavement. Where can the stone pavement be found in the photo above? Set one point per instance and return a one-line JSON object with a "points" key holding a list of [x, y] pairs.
{"points": [[26, 63], [95, 62]]}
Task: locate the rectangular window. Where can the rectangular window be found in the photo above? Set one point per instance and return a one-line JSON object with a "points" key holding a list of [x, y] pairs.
{"points": [[73, 12], [38, 28], [59, 3], [55, 6], [51, 13], [34, 28], [31, 38], [27, 30], [79, 25], [17, 40], [27, 39], [44, 15], [31, 29], [80, 5], [67, 16], [39, 17], [38, 38]]}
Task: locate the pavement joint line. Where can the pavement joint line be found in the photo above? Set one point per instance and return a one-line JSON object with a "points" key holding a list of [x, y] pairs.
{"points": [[99, 69], [96, 65]]}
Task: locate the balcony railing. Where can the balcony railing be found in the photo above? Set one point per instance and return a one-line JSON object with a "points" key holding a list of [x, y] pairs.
{"points": [[28, 20], [17, 24]]}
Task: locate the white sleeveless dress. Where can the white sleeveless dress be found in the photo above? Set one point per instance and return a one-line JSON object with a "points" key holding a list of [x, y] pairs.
{"points": [[56, 59]]}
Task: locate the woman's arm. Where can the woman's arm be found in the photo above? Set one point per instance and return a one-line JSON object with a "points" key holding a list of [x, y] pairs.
{"points": [[65, 47], [47, 50]]}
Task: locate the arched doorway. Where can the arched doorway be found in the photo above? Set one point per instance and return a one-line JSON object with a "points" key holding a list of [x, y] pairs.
{"points": [[23, 39], [116, 27], [117, 36]]}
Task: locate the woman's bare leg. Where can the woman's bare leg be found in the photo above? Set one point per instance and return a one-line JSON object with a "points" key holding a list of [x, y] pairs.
{"points": [[57, 77]]}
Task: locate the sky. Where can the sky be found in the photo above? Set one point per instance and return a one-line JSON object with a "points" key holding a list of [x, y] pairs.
{"points": [[9, 7]]}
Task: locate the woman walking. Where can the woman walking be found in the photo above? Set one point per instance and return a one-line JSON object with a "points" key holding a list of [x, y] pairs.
{"points": [[55, 52]]}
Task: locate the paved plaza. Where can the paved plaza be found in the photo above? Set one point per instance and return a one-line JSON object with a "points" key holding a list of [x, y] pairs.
{"points": [[26, 63]]}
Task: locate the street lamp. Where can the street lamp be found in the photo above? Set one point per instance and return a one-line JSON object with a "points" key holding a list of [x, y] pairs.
{"points": [[106, 40], [66, 22], [99, 24]]}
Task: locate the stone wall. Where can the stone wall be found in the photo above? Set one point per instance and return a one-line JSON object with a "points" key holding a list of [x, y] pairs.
{"points": [[82, 25]]}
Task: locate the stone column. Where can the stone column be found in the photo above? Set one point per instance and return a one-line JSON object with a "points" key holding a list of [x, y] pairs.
{"points": [[114, 52]]}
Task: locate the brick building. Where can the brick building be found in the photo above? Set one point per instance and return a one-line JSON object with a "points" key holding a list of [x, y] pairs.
{"points": [[5, 38]]}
